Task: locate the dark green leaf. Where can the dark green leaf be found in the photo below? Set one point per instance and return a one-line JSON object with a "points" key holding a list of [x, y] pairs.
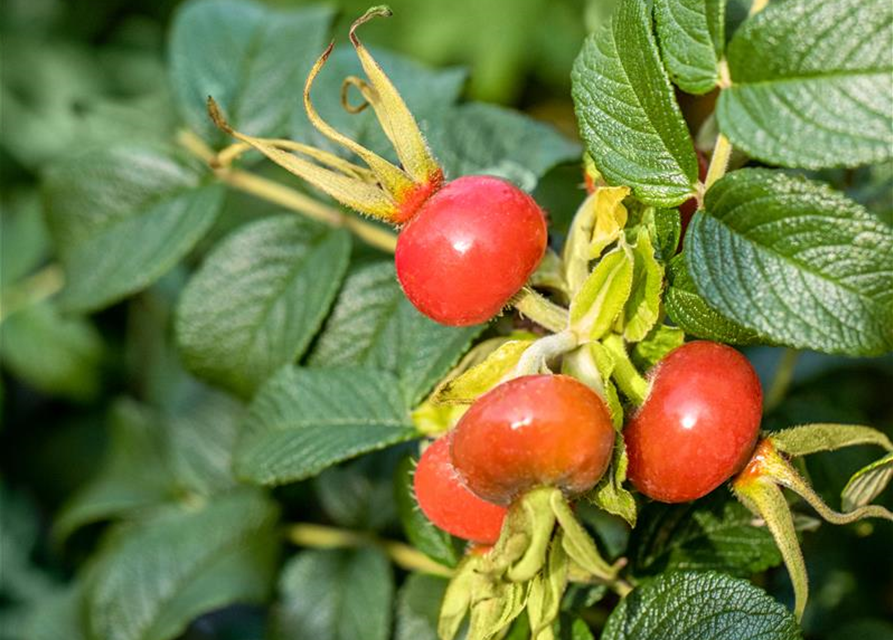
{"points": [[812, 84], [690, 311], [155, 576], [420, 531], [259, 298], [134, 475], [714, 533], [418, 607], [55, 353], [57, 615], [794, 261], [336, 595], [700, 606], [628, 114], [122, 217], [478, 138], [374, 324], [251, 59], [360, 494], [24, 241], [692, 38], [304, 420], [21, 579]]}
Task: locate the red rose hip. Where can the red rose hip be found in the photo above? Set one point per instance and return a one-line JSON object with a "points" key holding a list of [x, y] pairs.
{"points": [[469, 248], [448, 504], [698, 425], [540, 430]]}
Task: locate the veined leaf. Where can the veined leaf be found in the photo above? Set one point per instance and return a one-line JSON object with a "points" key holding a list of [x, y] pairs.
{"points": [[304, 420], [794, 261], [812, 84], [603, 294], [691, 34], [867, 483], [259, 298], [643, 307], [628, 114], [122, 217]]}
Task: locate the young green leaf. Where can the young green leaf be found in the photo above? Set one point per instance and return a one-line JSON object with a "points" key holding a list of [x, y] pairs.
{"points": [[768, 256], [676, 606], [642, 310], [418, 607], [122, 217], [656, 345], [154, 577], [373, 324], [610, 494], [812, 85], [691, 34], [335, 595], [603, 295], [628, 114], [867, 483], [259, 299], [304, 420], [55, 353], [253, 60], [715, 533], [691, 312]]}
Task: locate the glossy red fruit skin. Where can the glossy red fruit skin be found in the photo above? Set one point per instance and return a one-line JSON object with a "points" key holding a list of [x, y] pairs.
{"points": [[698, 425], [533, 431], [446, 502], [469, 248]]}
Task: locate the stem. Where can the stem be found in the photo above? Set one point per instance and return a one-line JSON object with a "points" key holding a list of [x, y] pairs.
{"points": [[36, 288], [318, 536], [784, 374], [537, 308], [621, 587], [537, 355], [288, 197]]}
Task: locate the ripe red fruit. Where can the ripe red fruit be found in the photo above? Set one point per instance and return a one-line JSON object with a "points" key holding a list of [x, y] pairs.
{"points": [[698, 425], [469, 248], [448, 504], [533, 431]]}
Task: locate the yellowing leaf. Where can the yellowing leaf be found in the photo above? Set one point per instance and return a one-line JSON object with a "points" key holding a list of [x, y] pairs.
{"points": [[468, 386], [643, 307], [603, 295], [610, 218]]}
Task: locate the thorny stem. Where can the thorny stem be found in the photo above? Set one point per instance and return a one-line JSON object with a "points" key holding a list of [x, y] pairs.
{"points": [[38, 287], [542, 311], [322, 537], [288, 197], [784, 374]]}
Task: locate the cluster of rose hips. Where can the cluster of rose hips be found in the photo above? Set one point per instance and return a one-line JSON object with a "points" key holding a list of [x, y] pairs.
{"points": [[696, 429]]}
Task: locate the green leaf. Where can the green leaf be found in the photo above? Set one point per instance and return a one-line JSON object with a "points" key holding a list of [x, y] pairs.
{"points": [[156, 576], [716, 533], [692, 38], [867, 483], [122, 217], [24, 240], [700, 606], [360, 494], [692, 314], [421, 532], [21, 579], [253, 60], [336, 595], [610, 494], [374, 324], [603, 294], [304, 420], [657, 345], [418, 607], [258, 300], [478, 138], [770, 256], [52, 352], [812, 85], [57, 615], [135, 473], [642, 309], [628, 114], [477, 380]]}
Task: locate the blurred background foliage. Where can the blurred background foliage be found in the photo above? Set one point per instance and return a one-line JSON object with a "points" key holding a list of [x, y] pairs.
{"points": [[75, 72]]}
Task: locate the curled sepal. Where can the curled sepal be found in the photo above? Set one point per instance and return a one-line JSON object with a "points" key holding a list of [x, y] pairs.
{"points": [[533, 515], [765, 499], [457, 598], [384, 190], [867, 483], [813, 438], [578, 544], [546, 590], [610, 494]]}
